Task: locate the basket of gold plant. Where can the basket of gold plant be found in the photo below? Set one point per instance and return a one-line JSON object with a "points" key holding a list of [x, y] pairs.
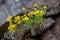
{"points": [[27, 21]]}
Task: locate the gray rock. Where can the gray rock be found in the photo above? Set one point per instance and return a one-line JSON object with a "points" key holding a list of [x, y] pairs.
{"points": [[13, 7], [47, 23], [52, 7], [18, 34], [49, 36], [3, 14]]}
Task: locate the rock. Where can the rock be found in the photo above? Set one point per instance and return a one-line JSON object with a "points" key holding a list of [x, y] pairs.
{"points": [[56, 29], [52, 7], [13, 7], [52, 12], [33, 32], [49, 36], [47, 23], [18, 34], [3, 14]]}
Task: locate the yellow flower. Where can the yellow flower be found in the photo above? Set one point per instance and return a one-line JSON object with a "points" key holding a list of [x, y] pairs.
{"points": [[36, 12], [9, 19], [25, 18], [30, 13], [23, 8], [35, 9], [44, 7], [11, 28], [10, 23], [35, 5], [17, 18], [41, 12], [19, 22]]}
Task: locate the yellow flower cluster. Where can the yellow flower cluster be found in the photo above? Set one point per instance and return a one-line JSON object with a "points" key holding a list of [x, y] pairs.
{"points": [[36, 12], [41, 12], [44, 7], [9, 19], [11, 27], [30, 13], [19, 22], [25, 18], [35, 5], [18, 19]]}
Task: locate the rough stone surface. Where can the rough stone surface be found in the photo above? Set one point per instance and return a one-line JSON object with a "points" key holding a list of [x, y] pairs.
{"points": [[18, 34], [15, 8], [54, 33], [49, 36], [56, 29], [47, 23], [3, 14]]}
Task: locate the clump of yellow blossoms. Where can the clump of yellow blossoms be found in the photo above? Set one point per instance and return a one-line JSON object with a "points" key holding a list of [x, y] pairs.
{"points": [[17, 18], [44, 7], [9, 19], [25, 18], [30, 13], [35, 5], [19, 22], [11, 27], [41, 12], [36, 13]]}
